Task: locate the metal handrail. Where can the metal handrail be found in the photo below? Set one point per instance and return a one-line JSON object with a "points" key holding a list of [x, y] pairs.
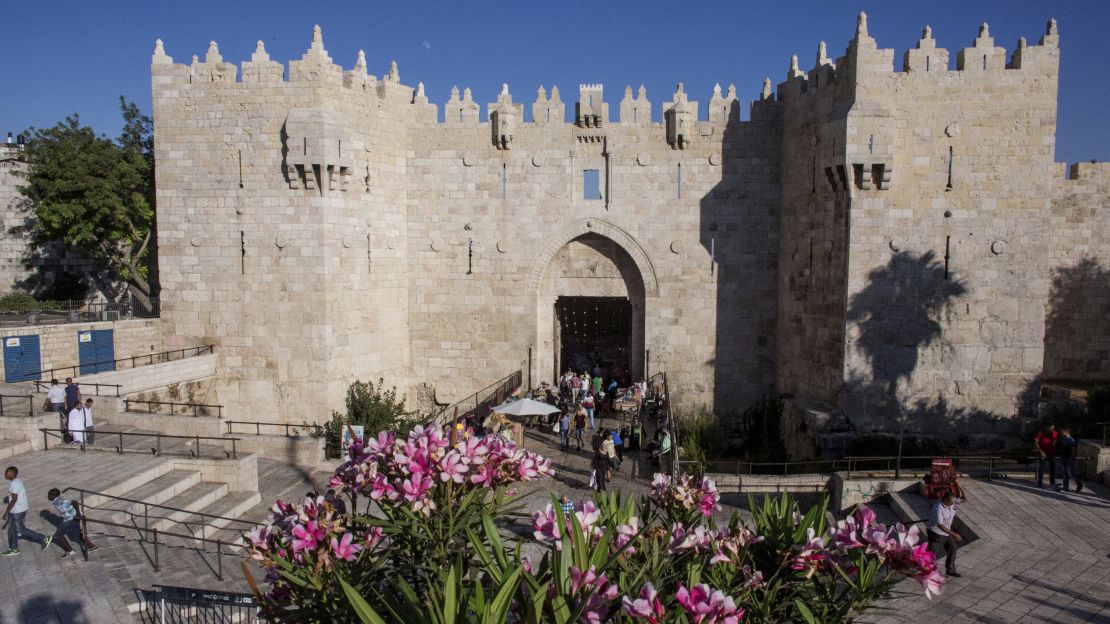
{"points": [[258, 424], [155, 532], [158, 437], [163, 356], [168, 603], [196, 407], [497, 390], [30, 402], [40, 385], [83, 492]]}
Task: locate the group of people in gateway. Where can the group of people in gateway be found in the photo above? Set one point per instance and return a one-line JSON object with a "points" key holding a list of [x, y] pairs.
{"points": [[584, 401]]}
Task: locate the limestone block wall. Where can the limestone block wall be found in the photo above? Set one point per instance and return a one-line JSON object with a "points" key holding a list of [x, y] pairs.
{"points": [[948, 272], [58, 346], [1077, 322], [282, 224], [157, 375], [699, 239]]}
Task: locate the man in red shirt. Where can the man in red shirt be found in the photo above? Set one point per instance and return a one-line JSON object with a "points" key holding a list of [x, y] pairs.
{"points": [[1045, 444]]}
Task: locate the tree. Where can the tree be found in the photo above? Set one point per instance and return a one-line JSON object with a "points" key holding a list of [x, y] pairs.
{"points": [[96, 195], [372, 406]]}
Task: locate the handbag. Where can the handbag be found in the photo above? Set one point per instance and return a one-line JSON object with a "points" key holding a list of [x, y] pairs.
{"points": [[555, 429], [593, 479]]}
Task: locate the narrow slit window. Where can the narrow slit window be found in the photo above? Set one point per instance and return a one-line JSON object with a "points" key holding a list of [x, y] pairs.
{"points": [[678, 182], [591, 184], [504, 180]]}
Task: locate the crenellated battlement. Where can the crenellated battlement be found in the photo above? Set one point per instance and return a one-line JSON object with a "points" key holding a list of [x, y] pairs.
{"points": [[865, 61]]}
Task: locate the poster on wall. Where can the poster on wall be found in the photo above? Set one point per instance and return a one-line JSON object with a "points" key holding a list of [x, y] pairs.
{"points": [[347, 439]]}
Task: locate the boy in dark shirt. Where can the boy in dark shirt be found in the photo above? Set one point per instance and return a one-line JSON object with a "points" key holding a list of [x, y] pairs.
{"points": [[1065, 454]]}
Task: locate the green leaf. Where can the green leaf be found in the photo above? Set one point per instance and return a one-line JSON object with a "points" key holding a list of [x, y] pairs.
{"points": [[498, 609], [804, 611], [365, 613], [450, 595]]}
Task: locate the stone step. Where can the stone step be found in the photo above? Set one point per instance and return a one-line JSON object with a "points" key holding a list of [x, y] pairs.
{"points": [[229, 508], [191, 500], [11, 448], [155, 492], [138, 476]]}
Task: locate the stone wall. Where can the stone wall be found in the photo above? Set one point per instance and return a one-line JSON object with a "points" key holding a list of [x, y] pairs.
{"points": [[1077, 325], [951, 178], [58, 346], [865, 235]]}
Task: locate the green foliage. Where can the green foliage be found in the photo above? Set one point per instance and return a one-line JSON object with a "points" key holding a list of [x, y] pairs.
{"points": [[96, 195], [372, 406], [18, 301], [703, 437]]}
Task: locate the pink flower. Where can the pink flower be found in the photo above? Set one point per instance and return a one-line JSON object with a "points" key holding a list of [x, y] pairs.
{"points": [[812, 556], [452, 467], [344, 549], [587, 516], [646, 607], [708, 605], [931, 581], [546, 527], [594, 593], [625, 534], [305, 536]]}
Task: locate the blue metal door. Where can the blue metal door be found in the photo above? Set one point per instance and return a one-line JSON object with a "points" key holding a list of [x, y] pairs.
{"points": [[96, 351], [21, 358]]}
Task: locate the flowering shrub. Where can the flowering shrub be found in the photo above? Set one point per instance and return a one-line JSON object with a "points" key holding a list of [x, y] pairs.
{"points": [[427, 546]]}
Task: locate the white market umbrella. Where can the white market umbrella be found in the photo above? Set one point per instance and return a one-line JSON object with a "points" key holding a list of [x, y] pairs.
{"points": [[525, 407]]}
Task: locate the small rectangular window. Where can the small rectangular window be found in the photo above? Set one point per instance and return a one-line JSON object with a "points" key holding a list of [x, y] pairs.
{"points": [[591, 184]]}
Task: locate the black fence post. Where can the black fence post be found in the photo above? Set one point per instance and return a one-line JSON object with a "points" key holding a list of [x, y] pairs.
{"points": [[156, 550]]}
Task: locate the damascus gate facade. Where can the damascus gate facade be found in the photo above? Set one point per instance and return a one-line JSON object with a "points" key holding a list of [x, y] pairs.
{"points": [[866, 229]]}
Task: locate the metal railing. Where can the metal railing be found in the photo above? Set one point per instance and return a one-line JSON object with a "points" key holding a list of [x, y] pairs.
{"points": [[1105, 433], [185, 605], [146, 516], [6, 410], [156, 450], [152, 406], [134, 360], [291, 430], [110, 389], [481, 401], [150, 536], [75, 311]]}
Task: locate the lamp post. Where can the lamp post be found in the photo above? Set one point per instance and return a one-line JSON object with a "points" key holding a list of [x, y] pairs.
{"points": [[529, 367]]}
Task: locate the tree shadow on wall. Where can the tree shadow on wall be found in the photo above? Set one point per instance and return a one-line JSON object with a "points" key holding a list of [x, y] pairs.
{"points": [[739, 230], [897, 315], [49, 265], [1077, 323]]}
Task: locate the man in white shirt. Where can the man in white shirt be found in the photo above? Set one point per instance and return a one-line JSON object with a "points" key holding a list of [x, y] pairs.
{"points": [[56, 401], [76, 425], [941, 534], [16, 512]]}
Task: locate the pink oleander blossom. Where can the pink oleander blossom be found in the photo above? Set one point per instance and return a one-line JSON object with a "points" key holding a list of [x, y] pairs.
{"points": [[707, 605], [594, 593], [646, 607], [344, 549]]}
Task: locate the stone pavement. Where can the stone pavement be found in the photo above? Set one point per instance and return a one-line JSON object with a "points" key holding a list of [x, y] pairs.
{"points": [[1041, 556]]}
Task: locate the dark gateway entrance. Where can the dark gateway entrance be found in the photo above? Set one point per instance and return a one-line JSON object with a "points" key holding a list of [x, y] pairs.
{"points": [[593, 332]]}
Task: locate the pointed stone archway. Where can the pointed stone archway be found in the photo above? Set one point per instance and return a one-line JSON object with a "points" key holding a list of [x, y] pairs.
{"points": [[592, 264]]}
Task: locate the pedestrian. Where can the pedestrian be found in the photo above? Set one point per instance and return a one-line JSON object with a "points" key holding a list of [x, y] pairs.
{"points": [[56, 402], [70, 527], [88, 421], [564, 431], [609, 449], [941, 534], [1045, 444], [76, 425], [596, 381], [566, 505], [611, 394], [73, 394], [579, 427], [575, 387], [588, 404], [16, 513], [601, 467], [618, 443], [1065, 454]]}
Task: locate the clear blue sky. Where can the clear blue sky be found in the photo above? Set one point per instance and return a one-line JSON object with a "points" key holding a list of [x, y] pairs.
{"points": [[65, 57]]}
